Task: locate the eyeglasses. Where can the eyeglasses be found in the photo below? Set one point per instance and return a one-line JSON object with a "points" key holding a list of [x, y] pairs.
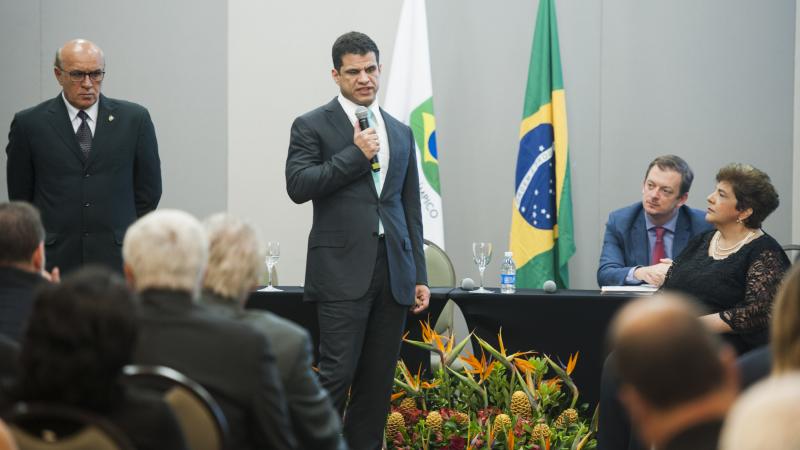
{"points": [[78, 76]]}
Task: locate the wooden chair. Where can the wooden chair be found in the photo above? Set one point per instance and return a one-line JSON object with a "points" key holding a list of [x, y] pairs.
{"points": [[43, 426], [200, 417]]}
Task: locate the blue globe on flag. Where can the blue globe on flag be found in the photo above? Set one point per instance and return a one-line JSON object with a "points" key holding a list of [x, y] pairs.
{"points": [[535, 178]]}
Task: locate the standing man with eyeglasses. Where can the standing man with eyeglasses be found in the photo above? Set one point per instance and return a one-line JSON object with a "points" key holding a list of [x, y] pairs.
{"points": [[88, 162]]}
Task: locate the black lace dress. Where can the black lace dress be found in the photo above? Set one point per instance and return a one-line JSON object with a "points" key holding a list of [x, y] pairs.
{"points": [[741, 287]]}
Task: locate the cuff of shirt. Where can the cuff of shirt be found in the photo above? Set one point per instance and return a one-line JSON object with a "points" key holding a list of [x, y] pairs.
{"points": [[630, 279]]}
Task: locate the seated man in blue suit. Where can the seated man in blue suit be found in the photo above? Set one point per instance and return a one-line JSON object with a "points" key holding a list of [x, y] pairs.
{"points": [[642, 238]]}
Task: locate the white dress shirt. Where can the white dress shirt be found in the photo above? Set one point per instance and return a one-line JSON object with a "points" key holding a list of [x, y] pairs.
{"points": [[72, 112], [380, 127]]}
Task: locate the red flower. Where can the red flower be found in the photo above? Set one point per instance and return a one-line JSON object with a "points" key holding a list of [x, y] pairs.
{"points": [[456, 443]]}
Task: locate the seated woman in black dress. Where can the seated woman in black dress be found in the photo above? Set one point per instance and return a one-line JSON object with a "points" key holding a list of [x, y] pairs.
{"points": [[735, 270], [80, 334]]}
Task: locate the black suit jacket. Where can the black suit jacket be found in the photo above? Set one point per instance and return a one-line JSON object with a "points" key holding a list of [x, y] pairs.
{"points": [[232, 361], [16, 300], [86, 203], [326, 167], [315, 421]]}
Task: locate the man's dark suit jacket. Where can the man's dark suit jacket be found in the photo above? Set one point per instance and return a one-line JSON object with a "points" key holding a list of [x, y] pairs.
{"points": [[16, 300], [232, 361], [86, 204], [625, 244], [316, 424], [326, 167]]}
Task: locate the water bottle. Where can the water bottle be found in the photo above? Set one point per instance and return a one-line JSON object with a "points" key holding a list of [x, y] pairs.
{"points": [[508, 275]]}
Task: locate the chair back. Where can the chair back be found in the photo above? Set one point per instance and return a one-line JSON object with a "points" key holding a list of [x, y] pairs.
{"points": [[42, 426], [440, 268], [199, 415], [792, 249]]}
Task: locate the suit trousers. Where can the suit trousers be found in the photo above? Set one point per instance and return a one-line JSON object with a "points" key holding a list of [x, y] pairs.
{"points": [[359, 346]]}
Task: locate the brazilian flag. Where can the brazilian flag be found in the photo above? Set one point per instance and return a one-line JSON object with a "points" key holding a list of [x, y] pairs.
{"points": [[541, 221]]}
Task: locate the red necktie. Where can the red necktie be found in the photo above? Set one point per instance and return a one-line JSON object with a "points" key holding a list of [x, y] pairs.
{"points": [[658, 249]]}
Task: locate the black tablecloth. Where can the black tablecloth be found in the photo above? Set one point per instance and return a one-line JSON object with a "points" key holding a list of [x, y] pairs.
{"points": [[289, 304], [556, 324]]}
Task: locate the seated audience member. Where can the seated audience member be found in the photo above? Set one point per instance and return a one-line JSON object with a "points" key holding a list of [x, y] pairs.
{"points": [[234, 263], [165, 255], [81, 333], [21, 264], [735, 270], [676, 379], [641, 239], [765, 417]]}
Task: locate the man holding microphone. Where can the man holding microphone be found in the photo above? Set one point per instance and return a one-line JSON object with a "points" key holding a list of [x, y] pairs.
{"points": [[365, 264]]}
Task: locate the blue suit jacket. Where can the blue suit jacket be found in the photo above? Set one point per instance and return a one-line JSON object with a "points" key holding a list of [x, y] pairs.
{"points": [[625, 244]]}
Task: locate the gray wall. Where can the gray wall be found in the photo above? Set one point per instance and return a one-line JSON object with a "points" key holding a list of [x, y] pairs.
{"points": [[167, 56], [712, 81]]}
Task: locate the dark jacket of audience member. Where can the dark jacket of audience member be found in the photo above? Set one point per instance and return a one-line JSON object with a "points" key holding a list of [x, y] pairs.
{"points": [[21, 262], [9, 359], [232, 361], [81, 333], [316, 424]]}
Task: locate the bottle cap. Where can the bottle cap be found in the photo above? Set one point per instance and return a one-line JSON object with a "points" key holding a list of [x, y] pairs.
{"points": [[509, 254]]}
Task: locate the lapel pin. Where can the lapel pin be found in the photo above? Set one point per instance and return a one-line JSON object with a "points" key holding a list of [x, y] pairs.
{"points": [[110, 118]]}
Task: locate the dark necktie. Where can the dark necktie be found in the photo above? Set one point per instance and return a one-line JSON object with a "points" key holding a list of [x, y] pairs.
{"points": [[84, 134], [658, 250]]}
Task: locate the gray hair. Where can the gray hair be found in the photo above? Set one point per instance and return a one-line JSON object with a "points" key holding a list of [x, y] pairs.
{"points": [[235, 257], [166, 249]]}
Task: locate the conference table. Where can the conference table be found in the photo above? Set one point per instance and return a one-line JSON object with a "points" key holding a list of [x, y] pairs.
{"points": [[557, 324]]}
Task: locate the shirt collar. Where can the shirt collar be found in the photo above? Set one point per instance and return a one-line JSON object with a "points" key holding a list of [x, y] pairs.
{"points": [[73, 111], [669, 226], [350, 109]]}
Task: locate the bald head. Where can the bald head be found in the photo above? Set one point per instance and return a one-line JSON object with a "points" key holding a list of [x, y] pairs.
{"points": [[79, 68], [660, 340], [78, 48]]}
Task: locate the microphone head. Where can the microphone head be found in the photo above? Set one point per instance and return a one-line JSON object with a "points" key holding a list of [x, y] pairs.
{"points": [[549, 286], [467, 284], [362, 112]]}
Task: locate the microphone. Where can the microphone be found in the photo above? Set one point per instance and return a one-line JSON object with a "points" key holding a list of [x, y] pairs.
{"points": [[361, 114], [549, 286], [468, 284]]}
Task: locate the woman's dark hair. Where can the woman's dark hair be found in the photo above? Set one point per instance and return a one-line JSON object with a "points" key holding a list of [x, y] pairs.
{"points": [[753, 189], [80, 334]]}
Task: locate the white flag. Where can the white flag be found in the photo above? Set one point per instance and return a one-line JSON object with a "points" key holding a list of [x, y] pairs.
{"points": [[409, 98]]}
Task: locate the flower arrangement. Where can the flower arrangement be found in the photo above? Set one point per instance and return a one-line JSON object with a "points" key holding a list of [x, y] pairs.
{"points": [[504, 401]]}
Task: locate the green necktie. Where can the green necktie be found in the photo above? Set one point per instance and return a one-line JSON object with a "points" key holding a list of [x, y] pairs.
{"points": [[376, 176]]}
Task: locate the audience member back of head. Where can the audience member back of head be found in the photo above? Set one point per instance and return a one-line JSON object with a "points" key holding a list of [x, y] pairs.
{"points": [[81, 333]]}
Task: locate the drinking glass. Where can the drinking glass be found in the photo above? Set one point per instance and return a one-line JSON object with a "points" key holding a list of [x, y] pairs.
{"points": [[482, 255], [273, 254]]}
